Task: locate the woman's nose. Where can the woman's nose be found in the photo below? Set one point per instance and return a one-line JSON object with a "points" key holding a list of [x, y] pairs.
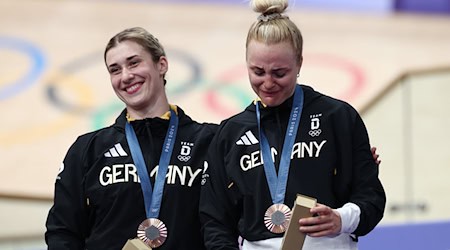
{"points": [[268, 82], [127, 76]]}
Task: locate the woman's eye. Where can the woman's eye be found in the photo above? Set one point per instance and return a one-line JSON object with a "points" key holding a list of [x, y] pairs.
{"points": [[114, 71], [134, 63], [279, 74], [259, 72]]}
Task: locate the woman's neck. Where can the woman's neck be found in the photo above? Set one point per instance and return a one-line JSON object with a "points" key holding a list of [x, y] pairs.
{"points": [[157, 109]]}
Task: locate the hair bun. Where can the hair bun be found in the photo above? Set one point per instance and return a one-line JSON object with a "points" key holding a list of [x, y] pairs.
{"points": [[268, 7]]}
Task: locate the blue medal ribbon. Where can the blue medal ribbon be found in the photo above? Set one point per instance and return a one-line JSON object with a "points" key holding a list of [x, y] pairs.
{"points": [[277, 185], [153, 198]]}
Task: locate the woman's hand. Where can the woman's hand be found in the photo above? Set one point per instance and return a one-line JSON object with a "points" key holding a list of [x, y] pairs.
{"points": [[325, 222], [375, 155]]}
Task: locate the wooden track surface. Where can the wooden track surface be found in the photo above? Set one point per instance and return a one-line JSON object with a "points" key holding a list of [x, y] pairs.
{"points": [[54, 86]]}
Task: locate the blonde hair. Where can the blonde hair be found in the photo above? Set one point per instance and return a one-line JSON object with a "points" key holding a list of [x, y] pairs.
{"points": [[273, 27]]}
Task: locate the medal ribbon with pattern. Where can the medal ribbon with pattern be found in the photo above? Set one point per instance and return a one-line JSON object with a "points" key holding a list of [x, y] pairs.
{"points": [[278, 215], [153, 231]]}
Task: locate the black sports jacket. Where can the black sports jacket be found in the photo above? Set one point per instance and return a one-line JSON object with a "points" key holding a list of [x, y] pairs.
{"points": [[331, 161], [98, 201]]}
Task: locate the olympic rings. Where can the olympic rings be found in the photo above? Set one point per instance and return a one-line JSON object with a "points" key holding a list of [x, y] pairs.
{"points": [[101, 116], [356, 73], [184, 158], [22, 135], [314, 133], [67, 75], [225, 79], [65, 79], [226, 84], [233, 91], [195, 68], [28, 79]]}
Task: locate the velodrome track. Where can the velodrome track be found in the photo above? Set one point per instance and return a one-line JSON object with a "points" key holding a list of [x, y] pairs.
{"points": [[54, 85]]}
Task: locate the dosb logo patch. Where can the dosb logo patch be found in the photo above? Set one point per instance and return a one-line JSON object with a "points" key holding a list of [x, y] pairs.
{"points": [[315, 125], [185, 152]]}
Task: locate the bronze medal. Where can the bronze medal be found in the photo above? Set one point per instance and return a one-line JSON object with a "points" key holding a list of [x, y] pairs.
{"points": [[152, 232], [277, 218]]}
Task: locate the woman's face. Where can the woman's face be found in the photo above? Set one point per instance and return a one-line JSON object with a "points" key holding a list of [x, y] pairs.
{"points": [[272, 70], [135, 78]]}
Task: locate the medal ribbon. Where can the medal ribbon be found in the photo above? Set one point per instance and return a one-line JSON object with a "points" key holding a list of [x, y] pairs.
{"points": [[152, 198], [277, 185]]}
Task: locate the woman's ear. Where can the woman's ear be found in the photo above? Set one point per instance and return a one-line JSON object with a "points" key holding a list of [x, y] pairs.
{"points": [[163, 65]]}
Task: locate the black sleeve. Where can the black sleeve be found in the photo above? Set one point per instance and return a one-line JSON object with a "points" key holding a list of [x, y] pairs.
{"points": [[218, 203], [67, 217], [367, 190]]}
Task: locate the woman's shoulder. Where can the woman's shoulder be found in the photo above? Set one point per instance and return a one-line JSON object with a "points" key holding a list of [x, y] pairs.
{"points": [[316, 99]]}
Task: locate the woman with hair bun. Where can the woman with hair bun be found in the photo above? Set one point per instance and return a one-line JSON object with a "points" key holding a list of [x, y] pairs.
{"points": [[291, 140]]}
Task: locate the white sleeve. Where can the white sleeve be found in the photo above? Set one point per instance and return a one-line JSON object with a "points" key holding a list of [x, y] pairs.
{"points": [[349, 213]]}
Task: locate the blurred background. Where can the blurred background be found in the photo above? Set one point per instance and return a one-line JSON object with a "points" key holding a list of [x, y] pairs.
{"points": [[390, 59]]}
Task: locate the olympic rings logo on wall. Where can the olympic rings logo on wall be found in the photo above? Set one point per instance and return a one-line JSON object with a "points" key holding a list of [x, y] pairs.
{"points": [[100, 115], [82, 105], [29, 78], [225, 84]]}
